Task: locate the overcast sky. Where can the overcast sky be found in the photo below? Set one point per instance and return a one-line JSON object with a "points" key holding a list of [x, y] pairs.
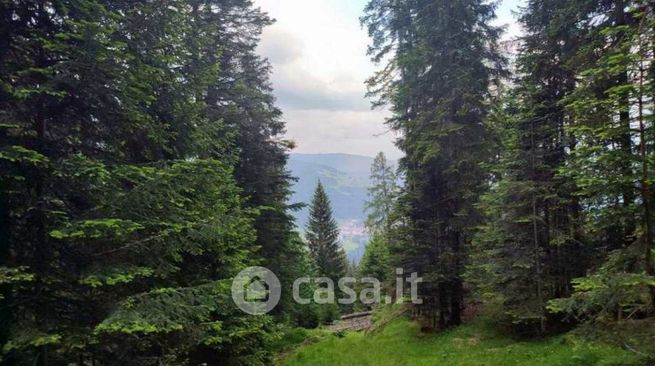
{"points": [[318, 52]]}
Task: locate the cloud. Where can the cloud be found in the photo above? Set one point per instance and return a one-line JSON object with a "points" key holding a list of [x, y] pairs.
{"points": [[354, 132], [300, 90], [280, 46], [318, 52]]}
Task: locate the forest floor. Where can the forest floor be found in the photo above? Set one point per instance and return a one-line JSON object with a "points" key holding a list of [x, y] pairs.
{"points": [[400, 343]]}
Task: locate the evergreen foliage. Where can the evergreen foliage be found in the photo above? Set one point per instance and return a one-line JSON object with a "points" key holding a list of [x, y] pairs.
{"points": [[440, 58], [141, 170], [381, 195], [529, 247], [612, 163], [322, 235], [561, 151], [143, 166], [376, 262]]}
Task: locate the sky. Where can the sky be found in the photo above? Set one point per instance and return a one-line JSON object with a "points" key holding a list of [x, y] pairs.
{"points": [[317, 49]]}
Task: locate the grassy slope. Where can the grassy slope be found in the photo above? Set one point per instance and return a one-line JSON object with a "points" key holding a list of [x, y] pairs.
{"points": [[401, 343]]}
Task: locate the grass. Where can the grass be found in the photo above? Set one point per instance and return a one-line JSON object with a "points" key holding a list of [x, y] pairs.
{"points": [[400, 343]]}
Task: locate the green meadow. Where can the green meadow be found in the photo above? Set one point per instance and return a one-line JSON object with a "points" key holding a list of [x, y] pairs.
{"points": [[401, 343]]}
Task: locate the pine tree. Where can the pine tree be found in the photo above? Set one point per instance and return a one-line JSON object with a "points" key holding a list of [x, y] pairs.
{"points": [[376, 262], [613, 107], [530, 246], [381, 195], [124, 214], [322, 235], [242, 97], [443, 53]]}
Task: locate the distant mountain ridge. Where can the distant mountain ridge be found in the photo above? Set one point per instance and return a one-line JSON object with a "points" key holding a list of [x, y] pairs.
{"points": [[345, 177]]}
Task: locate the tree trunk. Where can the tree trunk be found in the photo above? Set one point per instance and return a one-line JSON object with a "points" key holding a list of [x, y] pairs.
{"points": [[625, 140], [535, 235], [645, 190]]}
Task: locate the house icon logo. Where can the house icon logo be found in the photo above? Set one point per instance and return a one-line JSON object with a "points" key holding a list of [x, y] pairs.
{"points": [[256, 290]]}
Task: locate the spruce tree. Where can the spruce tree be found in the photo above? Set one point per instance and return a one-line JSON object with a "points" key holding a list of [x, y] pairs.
{"points": [[322, 235], [531, 244], [242, 97], [613, 107], [441, 60], [376, 262], [381, 195], [124, 215]]}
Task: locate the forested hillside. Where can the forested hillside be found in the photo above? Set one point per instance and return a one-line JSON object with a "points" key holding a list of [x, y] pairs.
{"points": [[144, 165]]}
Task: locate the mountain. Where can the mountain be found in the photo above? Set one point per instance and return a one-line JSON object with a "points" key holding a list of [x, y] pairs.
{"points": [[357, 167], [346, 179]]}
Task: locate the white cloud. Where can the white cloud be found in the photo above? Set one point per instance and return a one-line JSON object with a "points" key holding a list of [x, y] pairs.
{"points": [[318, 53], [280, 46], [353, 132]]}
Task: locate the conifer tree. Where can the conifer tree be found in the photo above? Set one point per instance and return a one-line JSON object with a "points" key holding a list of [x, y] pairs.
{"points": [[441, 60], [530, 246], [376, 262], [381, 194], [322, 235], [613, 107], [242, 97], [124, 215]]}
